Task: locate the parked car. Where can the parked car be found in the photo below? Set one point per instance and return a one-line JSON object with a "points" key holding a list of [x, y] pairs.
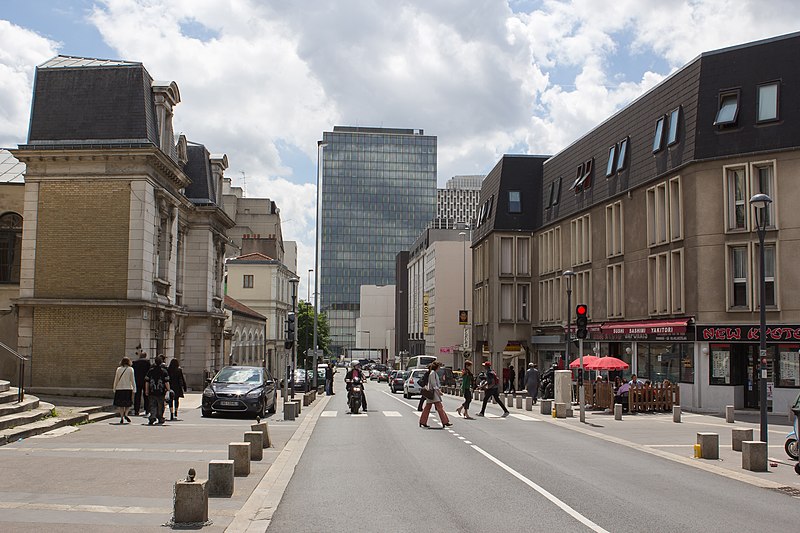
{"points": [[240, 389], [411, 385], [397, 381], [383, 376]]}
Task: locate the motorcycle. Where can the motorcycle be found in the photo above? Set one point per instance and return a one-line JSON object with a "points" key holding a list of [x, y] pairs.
{"points": [[791, 446], [354, 396], [547, 383]]}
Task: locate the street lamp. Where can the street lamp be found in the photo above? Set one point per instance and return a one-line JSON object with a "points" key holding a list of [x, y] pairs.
{"points": [[293, 282], [318, 237], [568, 277], [464, 299], [308, 301], [761, 203]]}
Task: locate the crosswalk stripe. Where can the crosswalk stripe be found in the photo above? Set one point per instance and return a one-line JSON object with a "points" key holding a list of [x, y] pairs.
{"points": [[328, 413], [524, 417], [391, 413]]}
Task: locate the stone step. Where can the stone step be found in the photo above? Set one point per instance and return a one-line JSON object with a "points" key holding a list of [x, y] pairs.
{"points": [[4, 385], [9, 396], [37, 427], [29, 403], [41, 410]]}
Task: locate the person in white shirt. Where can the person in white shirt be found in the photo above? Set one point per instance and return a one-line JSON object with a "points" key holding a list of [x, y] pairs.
{"points": [[124, 387]]}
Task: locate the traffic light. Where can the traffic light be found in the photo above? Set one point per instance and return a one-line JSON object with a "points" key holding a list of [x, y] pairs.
{"points": [[581, 320], [290, 331]]}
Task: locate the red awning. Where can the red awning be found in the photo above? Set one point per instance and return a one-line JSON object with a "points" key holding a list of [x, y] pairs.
{"points": [[647, 327]]}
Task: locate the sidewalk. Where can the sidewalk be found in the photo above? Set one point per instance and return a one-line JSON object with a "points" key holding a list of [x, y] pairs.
{"points": [[657, 434], [102, 476]]}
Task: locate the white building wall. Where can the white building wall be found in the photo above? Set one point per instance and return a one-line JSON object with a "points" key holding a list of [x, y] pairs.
{"points": [[377, 316]]}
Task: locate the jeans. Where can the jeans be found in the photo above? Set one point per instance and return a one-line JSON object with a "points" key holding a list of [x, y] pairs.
{"points": [[492, 393], [467, 400], [138, 396]]}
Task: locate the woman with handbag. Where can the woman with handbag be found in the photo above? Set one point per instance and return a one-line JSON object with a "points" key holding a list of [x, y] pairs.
{"points": [[124, 387], [466, 389], [433, 397]]}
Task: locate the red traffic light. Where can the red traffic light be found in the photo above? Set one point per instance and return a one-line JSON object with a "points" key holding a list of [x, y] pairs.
{"points": [[582, 310]]}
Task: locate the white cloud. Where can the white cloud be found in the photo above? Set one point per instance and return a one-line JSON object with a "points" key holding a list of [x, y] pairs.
{"points": [[20, 51]]}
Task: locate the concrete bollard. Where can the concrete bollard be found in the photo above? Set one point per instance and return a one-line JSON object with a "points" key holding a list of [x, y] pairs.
{"points": [[617, 411], [709, 445], [754, 455], [191, 502], [561, 410], [256, 441], [239, 452], [519, 402], [739, 435], [729, 414], [510, 400], [676, 414], [264, 429], [299, 406], [220, 478], [289, 411], [529, 404], [546, 407]]}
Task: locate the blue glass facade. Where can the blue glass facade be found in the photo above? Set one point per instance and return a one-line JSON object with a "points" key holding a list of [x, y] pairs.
{"points": [[378, 194]]}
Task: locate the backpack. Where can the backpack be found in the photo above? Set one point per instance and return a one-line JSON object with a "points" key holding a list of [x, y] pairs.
{"points": [[156, 382], [423, 381]]}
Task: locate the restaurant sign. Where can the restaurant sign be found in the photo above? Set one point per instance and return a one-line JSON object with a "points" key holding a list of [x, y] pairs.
{"points": [[747, 333]]}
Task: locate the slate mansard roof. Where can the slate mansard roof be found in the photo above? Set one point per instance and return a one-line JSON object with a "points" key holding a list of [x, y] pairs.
{"points": [[84, 101], [198, 168]]}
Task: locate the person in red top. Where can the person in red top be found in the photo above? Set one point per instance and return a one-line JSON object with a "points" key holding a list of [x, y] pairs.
{"points": [[490, 387]]}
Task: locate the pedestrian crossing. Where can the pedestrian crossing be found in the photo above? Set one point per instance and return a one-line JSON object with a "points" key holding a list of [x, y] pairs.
{"points": [[415, 414]]}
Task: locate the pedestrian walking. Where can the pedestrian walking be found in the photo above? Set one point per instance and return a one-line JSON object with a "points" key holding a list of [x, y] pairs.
{"points": [[156, 386], [329, 379], [491, 386], [467, 382], [512, 378], [434, 385], [124, 386], [140, 368], [532, 381], [177, 385]]}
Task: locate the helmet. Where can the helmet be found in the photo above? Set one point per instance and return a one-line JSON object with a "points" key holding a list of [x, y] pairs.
{"points": [[487, 363]]}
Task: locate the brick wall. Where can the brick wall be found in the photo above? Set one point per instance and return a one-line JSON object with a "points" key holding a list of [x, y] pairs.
{"points": [[77, 347], [82, 242]]}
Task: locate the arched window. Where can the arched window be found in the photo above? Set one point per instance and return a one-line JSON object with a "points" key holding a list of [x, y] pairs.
{"points": [[10, 247]]}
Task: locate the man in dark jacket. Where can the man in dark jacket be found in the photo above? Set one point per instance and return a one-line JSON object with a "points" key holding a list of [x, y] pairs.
{"points": [[140, 368], [329, 379], [491, 386], [532, 381], [356, 371], [156, 386]]}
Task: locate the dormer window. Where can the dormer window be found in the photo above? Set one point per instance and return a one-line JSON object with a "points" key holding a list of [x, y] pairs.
{"points": [[617, 157], [514, 202], [728, 109], [767, 102], [583, 176], [672, 133], [658, 137]]}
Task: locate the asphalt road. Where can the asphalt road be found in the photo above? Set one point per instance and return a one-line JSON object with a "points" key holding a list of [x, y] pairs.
{"points": [[380, 472]]}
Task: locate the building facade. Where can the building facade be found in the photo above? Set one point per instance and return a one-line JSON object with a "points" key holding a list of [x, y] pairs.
{"points": [[124, 233], [12, 194], [457, 203], [245, 334], [378, 193], [502, 253], [651, 212]]}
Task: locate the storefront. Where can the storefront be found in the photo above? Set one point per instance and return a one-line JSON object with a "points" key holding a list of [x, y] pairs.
{"points": [[732, 354]]}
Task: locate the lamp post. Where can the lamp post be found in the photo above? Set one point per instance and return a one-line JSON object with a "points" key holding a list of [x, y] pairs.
{"points": [[568, 276], [761, 203], [318, 236], [293, 282], [308, 348], [464, 298]]}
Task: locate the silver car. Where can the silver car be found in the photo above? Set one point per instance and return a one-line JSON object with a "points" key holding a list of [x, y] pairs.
{"points": [[412, 386]]}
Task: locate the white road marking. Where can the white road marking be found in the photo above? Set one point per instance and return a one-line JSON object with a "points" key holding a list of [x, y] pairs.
{"points": [[391, 413], [329, 413], [541, 490], [467, 442], [524, 417], [359, 415], [461, 438]]}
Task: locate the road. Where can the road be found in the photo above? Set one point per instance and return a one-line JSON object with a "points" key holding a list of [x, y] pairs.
{"points": [[380, 472]]}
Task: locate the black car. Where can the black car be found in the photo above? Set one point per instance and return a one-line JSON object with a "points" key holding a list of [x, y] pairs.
{"points": [[240, 389], [397, 380]]}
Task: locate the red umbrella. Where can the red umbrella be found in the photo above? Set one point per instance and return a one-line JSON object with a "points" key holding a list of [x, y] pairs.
{"points": [[586, 360], [608, 363]]}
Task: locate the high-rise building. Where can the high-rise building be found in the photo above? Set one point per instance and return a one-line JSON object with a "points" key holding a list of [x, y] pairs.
{"points": [[378, 193], [457, 203]]}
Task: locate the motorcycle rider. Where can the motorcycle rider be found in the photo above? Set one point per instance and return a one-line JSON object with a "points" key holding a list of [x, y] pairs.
{"points": [[355, 371]]}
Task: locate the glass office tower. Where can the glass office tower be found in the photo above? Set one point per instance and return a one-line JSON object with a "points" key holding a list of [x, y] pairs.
{"points": [[378, 193]]}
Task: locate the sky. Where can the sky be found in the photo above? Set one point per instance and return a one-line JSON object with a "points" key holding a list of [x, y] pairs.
{"points": [[260, 80]]}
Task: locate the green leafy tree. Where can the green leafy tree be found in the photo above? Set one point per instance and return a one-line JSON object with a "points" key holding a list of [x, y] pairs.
{"points": [[305, 332]]}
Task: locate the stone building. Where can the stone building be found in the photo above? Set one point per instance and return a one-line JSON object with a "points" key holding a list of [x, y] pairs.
{"points": [[124, 234]]}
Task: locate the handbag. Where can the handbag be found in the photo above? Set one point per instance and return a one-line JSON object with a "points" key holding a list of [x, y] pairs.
{"points": [[426, 393]]}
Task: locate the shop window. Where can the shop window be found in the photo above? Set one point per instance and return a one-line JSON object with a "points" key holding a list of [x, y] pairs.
{"points": [[788, 365], [664, 361], [720, 365]]}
